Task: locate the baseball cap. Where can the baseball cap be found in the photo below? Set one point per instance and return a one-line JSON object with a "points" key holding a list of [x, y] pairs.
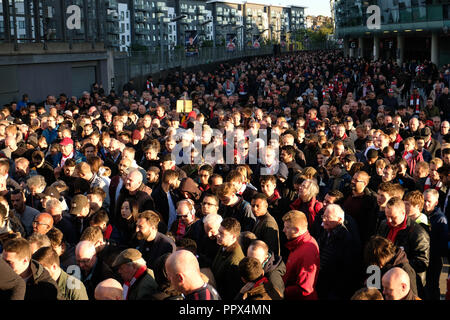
{"points": [[300, 99], [350, 157], [51, 192], [78, 203], [391, 91], [66, 141], [126, 256]]}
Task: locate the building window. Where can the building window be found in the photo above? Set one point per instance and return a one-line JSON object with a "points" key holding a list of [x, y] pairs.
{"points": [[128, 26], [128, 14], [128, 38]]}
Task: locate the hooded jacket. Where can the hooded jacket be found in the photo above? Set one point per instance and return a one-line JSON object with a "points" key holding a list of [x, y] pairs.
{"points": [[190, 186], [400, 260], [40, 285], [274, 270], [261, 289]]}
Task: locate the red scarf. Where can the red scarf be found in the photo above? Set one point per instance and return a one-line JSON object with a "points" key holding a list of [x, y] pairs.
{"points": [[108, 231], [428, 185], [275, 196], [204, 188], [393, 231], [128, 284], [181, 230], [414, 101], [397, 141]]}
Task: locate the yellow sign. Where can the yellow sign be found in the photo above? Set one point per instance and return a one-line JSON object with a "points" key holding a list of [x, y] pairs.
{"points": [[184, 106]]}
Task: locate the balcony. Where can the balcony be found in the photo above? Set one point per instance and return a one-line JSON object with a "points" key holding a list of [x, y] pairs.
{"points": [[143, 42], [111, 4], [112, 29], [140, 18], [112, 17], [141, 30]]}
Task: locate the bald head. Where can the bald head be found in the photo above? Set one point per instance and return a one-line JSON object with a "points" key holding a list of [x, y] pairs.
{"points": [[85, 248], [109, 289], [182, 261], [396, 284], [134, 180], [43, 223], [85, 255], [183, 271]]}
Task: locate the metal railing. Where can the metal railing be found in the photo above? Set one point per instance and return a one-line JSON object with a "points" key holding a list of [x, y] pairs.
{"points": [[142, 63]]}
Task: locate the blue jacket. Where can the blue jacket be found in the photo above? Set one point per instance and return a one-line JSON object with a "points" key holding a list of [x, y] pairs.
{"points": [[77, 156], [50, 135]]}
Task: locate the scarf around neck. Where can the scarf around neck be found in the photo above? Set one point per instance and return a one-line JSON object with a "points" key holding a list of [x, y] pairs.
{"points": [[128, 284]]}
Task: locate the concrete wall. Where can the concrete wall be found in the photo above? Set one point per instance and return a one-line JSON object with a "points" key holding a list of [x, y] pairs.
{"points": [[40, 71]]}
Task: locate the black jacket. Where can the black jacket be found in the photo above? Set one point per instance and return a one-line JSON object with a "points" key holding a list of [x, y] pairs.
{"points": [[159, 197], [340, 254], [12, 286], [40, 286], [101, 272], [242, 212], [151, 250], [416, 243]]}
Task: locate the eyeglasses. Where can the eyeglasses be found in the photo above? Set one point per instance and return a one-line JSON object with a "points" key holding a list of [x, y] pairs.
{"points": [[208, 204], [182, 216], [83, 261], [40, 223]]}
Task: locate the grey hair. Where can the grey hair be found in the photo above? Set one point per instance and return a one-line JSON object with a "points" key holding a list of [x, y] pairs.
{"points": [[212, 218], [337, 210]]}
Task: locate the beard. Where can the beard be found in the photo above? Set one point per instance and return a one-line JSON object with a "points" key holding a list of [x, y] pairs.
{"points": [[141, 236]]}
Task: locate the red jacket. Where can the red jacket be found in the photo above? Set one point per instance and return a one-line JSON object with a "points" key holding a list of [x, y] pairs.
{"points": [[302, 268]]}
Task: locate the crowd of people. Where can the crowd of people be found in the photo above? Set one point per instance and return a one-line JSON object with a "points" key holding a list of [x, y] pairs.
{"points": [[337, 187]]}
